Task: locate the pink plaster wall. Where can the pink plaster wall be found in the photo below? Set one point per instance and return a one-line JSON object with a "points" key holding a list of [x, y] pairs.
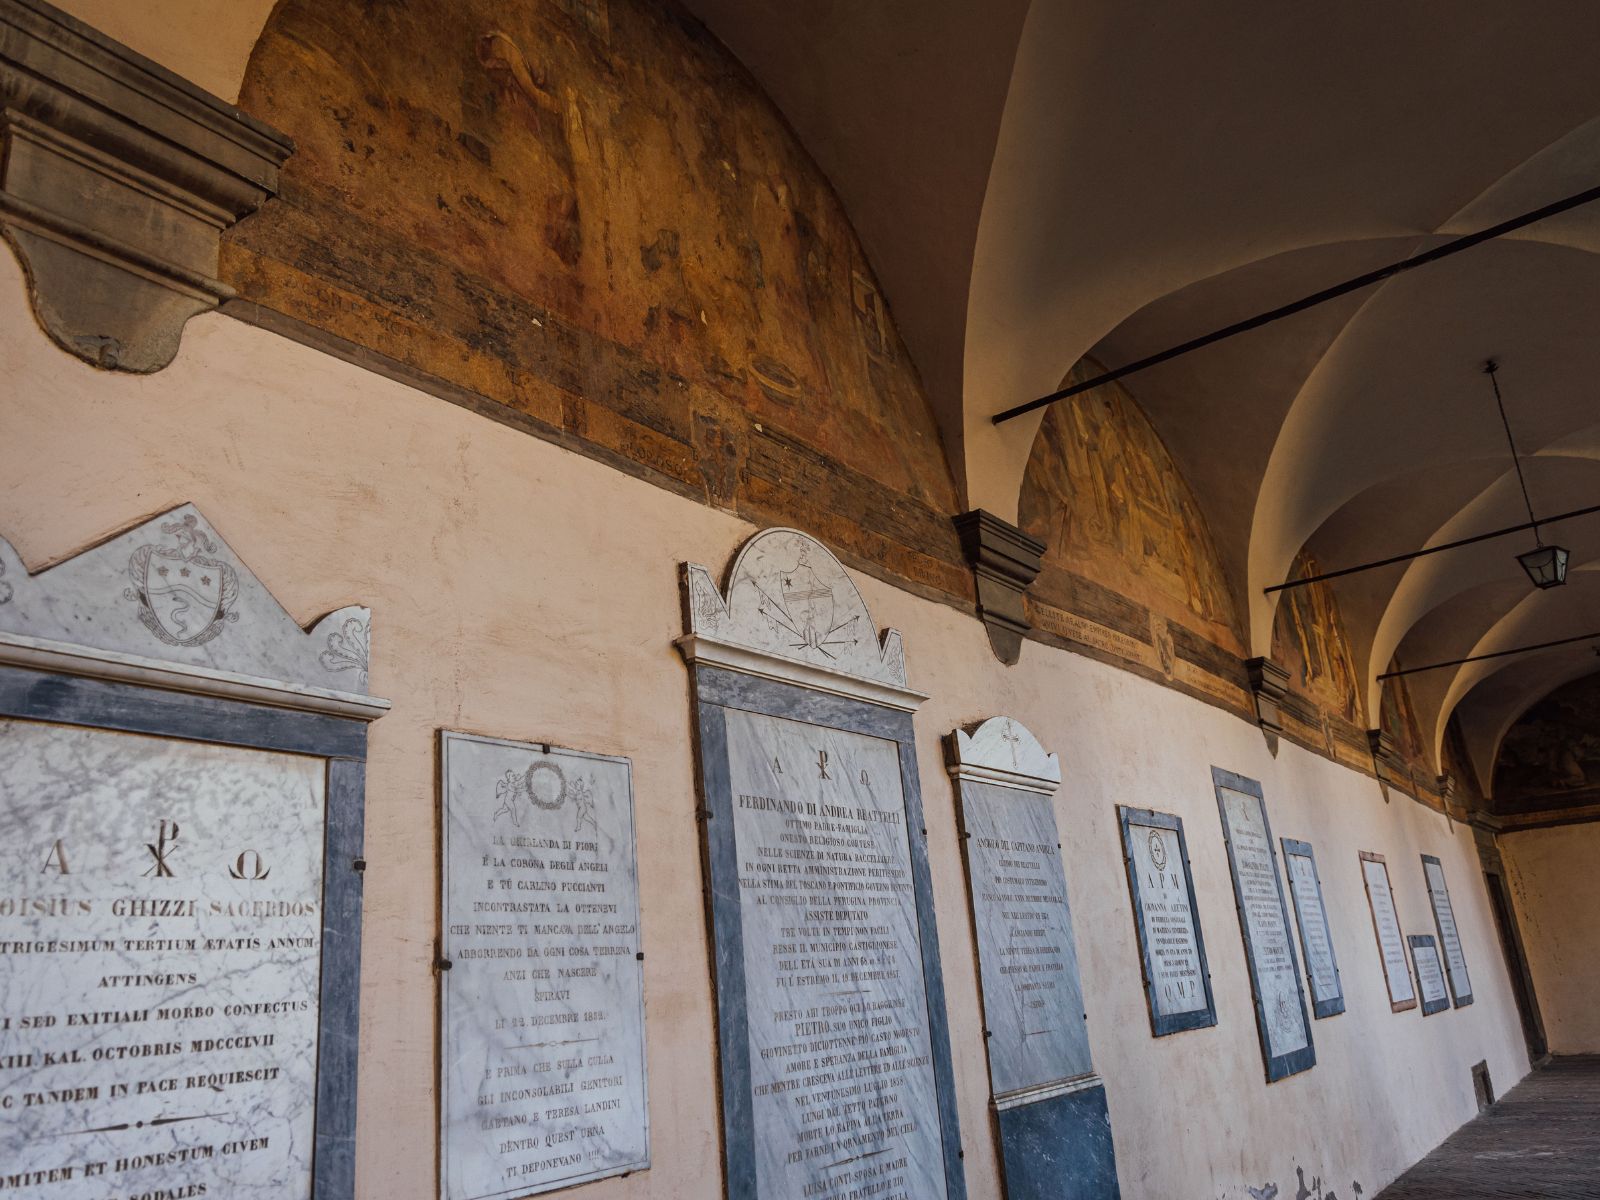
{"points": [[1556, 889], [523, 591]]}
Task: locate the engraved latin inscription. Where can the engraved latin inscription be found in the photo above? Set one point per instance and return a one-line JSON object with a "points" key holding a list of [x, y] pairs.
{"points": [[1032, 1000], [841, 1077], [1177, 983], [160, 941], [1430, 975], [543, 1006], [1386, 924], [1449, 936], [1314, 936], [1265, 923]]}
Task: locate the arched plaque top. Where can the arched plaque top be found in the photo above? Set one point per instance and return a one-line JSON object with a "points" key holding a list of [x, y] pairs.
{"points": [[1002, 750], [791, 612], [169, 603]]}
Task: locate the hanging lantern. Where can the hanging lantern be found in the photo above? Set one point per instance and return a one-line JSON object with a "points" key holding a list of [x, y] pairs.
{"points": [[1545, 565]]}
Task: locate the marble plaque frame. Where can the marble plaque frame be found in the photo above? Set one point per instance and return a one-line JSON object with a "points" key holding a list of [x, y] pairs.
{"points": [[1367, 856], [1459, 998], [1162, 1025], [445, 740], [1278, 1066], [79, 648], [1319, 1008], [743, 660], [1055, 1135], [1425, 941]]}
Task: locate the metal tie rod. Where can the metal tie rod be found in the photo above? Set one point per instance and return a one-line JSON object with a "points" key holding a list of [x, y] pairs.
{"points": [[1454, 246]]}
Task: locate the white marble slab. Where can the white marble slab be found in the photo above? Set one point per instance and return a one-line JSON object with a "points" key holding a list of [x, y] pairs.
{"points": [[841, 1083], [1004, 750], [1264, 922], [791, 612], [1386, 925], [1315, 937], [172, 590], [1430, 975], [160, 943], [1177, 976], [543, 1064], [1028, 961], [1449, 935]]}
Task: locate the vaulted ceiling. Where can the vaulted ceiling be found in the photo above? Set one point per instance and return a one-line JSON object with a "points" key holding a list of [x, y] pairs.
{"points": [[1041, 181]]}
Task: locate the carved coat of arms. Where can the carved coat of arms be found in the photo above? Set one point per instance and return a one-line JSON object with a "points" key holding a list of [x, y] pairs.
{"points": [[185, 597]]}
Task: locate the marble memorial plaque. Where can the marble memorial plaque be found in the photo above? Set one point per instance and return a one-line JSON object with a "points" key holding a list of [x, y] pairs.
{"points": [[543, 1065], [1032, 998], [1386, 925], [1176, 982], [1430, 974], [842, 1086], [1264, 925], [160, 951], [1444, 918], [1316, 939]]}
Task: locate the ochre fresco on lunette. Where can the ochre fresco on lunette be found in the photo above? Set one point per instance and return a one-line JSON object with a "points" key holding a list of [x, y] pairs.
{"points": [[1103, 494], [1309, 639], [1550, 758], [588, 214]]}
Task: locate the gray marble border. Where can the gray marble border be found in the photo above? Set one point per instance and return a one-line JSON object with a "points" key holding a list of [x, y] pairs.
{"points": [[1319, 1008], [129, 708], [1161, 1026], [1463, 999], [1282, 1065], [1059, 1149], [715, 691], [1429, 1007]]}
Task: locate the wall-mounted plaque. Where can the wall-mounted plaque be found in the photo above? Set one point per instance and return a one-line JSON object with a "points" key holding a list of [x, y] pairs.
{"points": [[1316, 939], [542, 1074], [1172, 950], [180, 894], [1430, 973], [833, 1045], [1281, 1019], [1045, 1091], [1386, 926], [1444, 920]]}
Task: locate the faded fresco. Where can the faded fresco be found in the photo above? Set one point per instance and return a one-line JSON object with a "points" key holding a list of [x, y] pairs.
{"points": [[1309, 638], [586, 212], [1105, 497], [1397, 717], [1551, 757]]}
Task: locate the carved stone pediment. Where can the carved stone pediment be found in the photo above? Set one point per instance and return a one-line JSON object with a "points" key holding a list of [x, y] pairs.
{"points": [[1002, 750], [790, 611], [118, 180], [170, 603]]}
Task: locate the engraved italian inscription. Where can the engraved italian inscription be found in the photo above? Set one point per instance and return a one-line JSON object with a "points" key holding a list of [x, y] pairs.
{"points": [[1168, 929], [1386, 926], [1032, 999], [1430, 974], [1264, 923], [1444, 916], [543, 1069], [842, 1088], [160, 946], [1316, 940]]}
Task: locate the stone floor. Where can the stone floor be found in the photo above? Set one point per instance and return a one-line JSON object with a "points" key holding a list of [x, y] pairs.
{"points": [[1540, 1142]]}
